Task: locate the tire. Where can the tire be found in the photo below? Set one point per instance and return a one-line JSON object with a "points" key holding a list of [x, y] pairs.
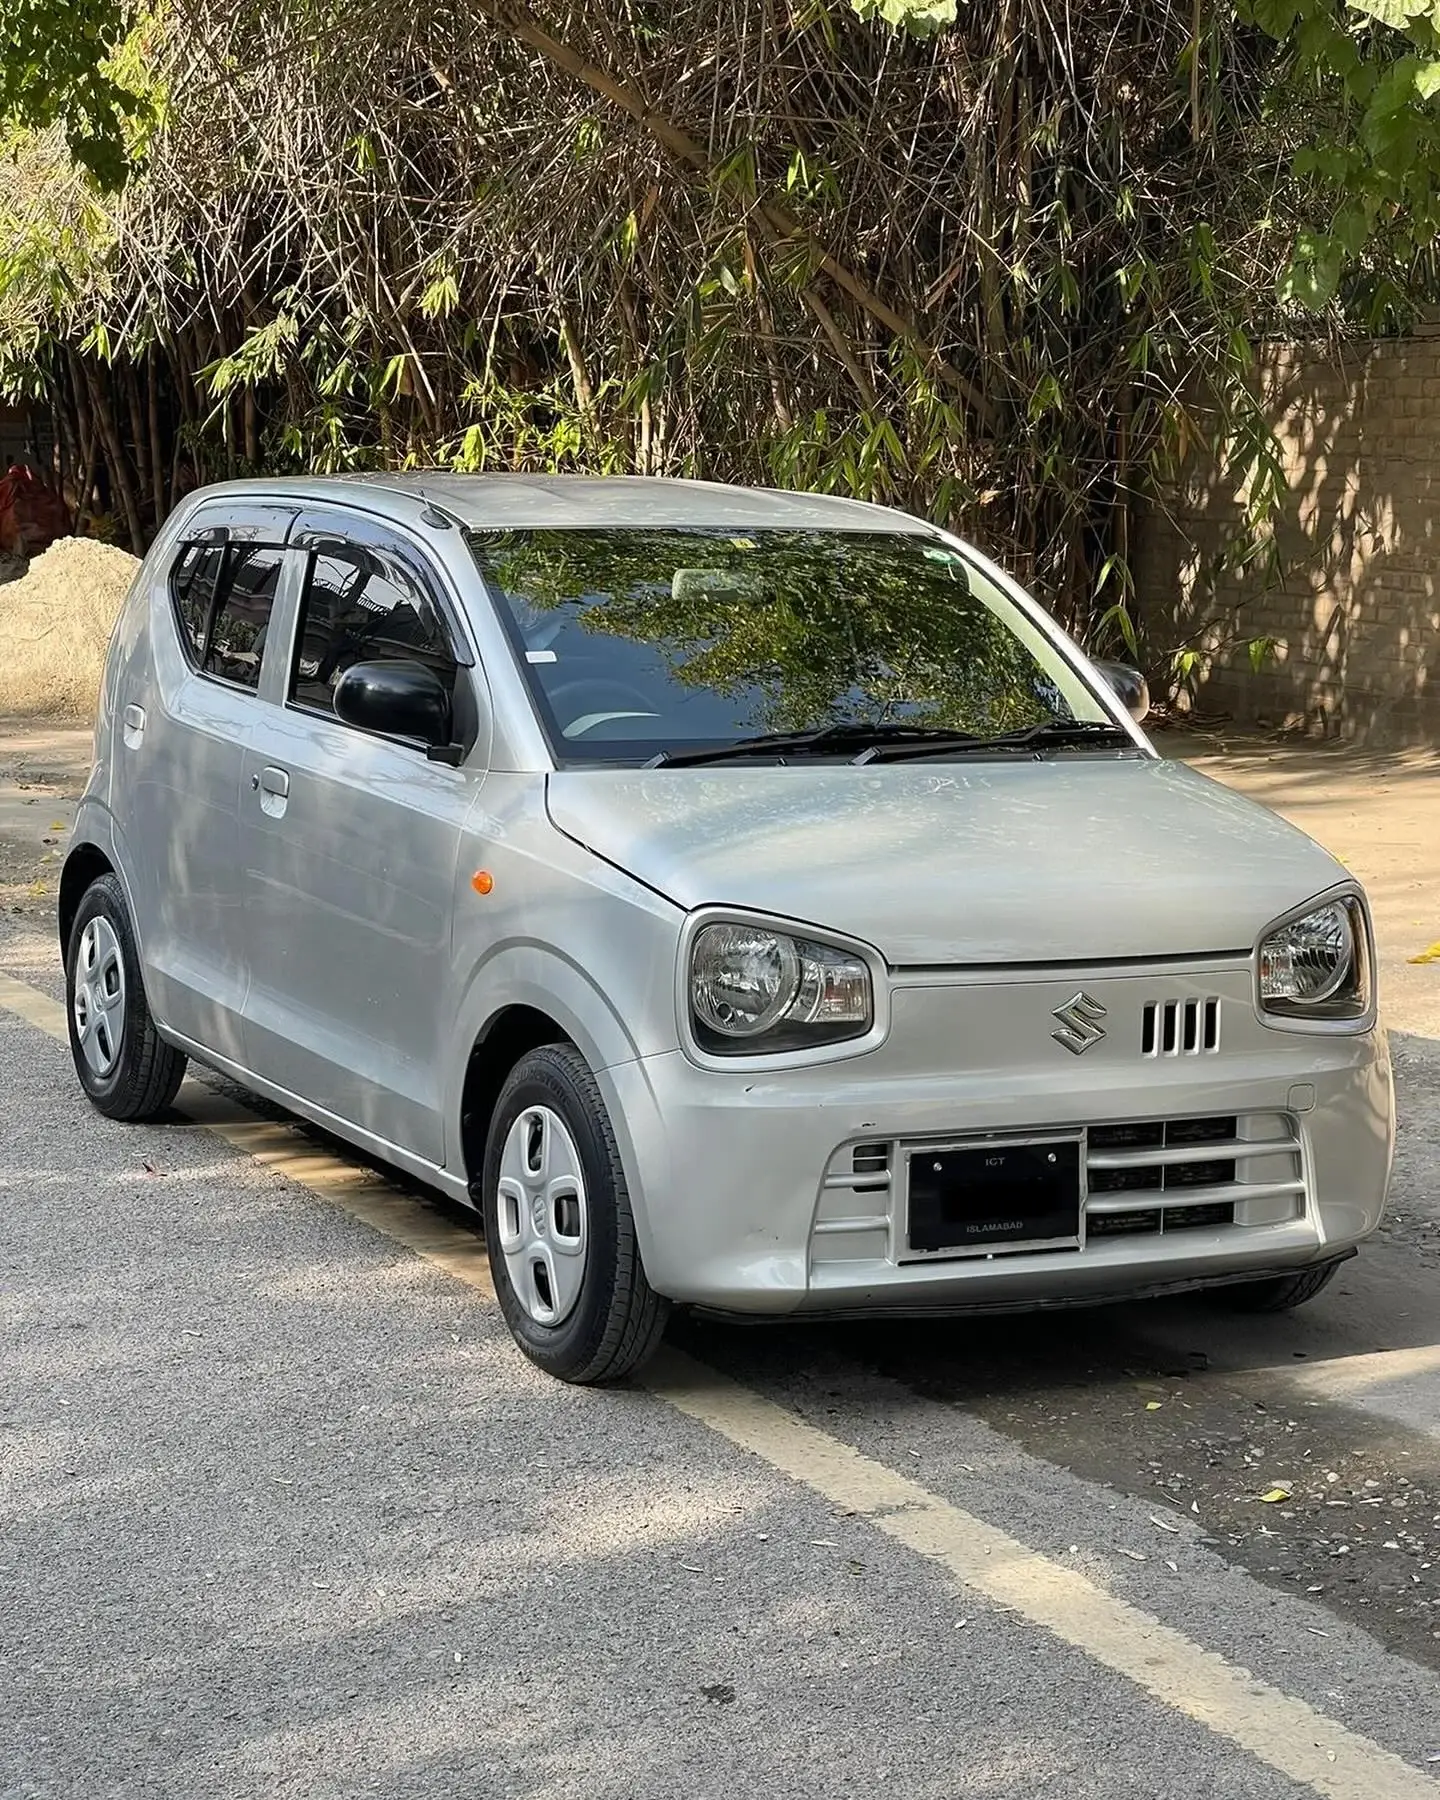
{"points": [[559, 1230], [1282, 1293], [126, 1068]]}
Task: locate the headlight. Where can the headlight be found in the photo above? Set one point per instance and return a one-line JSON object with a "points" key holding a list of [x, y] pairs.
{"points": [[754, 991], [1318, 966]]}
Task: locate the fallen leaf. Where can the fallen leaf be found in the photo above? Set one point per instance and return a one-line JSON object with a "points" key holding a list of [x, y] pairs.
{"points": [[1134, 1555], [1276, 1493], [1152, 1405], [1164, 1524]]}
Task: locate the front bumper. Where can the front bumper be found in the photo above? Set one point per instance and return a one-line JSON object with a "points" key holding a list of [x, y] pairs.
{"points": [[785, 1192]]}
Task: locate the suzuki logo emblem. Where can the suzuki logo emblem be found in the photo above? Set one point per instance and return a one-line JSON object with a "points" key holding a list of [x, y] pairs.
{"points": [[1080, 1025]]}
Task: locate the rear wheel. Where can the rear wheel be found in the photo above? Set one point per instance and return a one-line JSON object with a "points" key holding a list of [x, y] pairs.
{"points": [[125, 1067], [558, 1225], [1282, 1293]]}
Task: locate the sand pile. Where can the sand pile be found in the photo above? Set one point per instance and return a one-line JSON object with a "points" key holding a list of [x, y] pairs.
{"points": [[55, 625]]}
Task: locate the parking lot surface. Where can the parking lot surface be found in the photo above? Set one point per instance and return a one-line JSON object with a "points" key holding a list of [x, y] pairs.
{"points": [[284, 1513]]}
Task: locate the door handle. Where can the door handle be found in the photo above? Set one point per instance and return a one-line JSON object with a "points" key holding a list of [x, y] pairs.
{"points": [[134, 718], [272, 781]]}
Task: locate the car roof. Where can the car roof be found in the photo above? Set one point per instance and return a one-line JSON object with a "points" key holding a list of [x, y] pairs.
{"points": [[553, 501]]}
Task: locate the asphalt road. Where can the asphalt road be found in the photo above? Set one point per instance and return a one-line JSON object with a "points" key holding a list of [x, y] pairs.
{"points": [[285, 1514]]}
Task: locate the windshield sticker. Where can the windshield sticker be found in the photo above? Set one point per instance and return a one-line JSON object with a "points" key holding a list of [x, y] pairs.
{"points": [[541, 656]]}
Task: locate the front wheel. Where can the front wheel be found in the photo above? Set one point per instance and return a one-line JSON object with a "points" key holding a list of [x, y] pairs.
{"points": [[126, 1068], [559, 1229], [1281, 1293]]}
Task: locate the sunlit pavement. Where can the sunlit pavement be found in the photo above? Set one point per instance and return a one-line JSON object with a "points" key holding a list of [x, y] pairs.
{"points": [[285, 1514]]}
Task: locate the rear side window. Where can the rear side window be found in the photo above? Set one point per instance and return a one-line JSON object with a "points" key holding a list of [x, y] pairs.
{"points": [[362, 605], [223, 598], [192, 588]]}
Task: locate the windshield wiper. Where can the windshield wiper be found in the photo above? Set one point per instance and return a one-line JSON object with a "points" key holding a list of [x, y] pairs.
{"points": [[1052, 734], [824, 740]]}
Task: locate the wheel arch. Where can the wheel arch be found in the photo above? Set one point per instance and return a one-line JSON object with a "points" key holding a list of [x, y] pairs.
{"points": [[85, 864], [513, 1031]]}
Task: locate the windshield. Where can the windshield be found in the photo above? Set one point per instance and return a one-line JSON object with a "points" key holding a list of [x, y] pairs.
{"points": [[638, 641]]}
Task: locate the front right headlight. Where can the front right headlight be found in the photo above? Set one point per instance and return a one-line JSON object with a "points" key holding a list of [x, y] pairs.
{"points": [[1316, 966], [755, 991]]}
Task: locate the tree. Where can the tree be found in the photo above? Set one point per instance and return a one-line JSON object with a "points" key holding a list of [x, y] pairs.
{"points": [[55, 69], [1356, 90], [1003, 264]]}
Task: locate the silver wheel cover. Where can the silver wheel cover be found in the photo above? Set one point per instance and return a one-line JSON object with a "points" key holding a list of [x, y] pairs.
{"points": [[99, 1000], [543, 1217]]}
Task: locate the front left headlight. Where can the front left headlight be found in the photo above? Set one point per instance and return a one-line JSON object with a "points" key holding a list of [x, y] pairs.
{"points": [[755, 991], [1317, 966]]}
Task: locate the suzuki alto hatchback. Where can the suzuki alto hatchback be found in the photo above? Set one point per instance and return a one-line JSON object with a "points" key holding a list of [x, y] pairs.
{"points": [[746, 900]]}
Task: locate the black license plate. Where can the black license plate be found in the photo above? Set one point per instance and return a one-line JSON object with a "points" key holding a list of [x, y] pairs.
{"points": [[995, 1196]]}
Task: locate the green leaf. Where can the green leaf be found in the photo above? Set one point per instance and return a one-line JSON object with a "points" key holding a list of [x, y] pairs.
{"points": [[1276, 17], [58, 67], [922, 18], [1313, 276], [1396, 13]]}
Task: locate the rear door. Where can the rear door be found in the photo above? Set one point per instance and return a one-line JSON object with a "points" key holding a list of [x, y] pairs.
{"points": [[352, 840], [185, 724]]}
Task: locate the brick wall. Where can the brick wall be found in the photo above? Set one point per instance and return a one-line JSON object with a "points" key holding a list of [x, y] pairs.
{"points": [[1356, 617]]}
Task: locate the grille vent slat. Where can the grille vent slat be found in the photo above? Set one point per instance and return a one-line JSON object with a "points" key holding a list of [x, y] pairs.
{"points": [[1181, 1027], [1185, 1160], [870, 1159]]}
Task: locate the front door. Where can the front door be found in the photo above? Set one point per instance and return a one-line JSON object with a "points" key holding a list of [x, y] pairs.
{"points": [[352, 845], [184, 727]]}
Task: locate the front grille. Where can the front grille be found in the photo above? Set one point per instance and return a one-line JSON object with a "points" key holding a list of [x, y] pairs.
{"points": [[1222, 1170], [1181, 1027], [1144, 1177], [1134, 1173], [1131, 1170]]}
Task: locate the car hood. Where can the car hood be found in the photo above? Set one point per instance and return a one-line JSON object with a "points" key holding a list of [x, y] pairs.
{"points": [[1069, 859]]}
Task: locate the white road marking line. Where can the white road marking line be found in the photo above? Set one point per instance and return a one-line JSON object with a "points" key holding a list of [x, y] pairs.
{"points": [[365, 1195], [35, 1008], [1274, 1727]]}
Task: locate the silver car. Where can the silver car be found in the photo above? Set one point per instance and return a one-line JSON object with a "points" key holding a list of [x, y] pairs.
{"points": [[746, 900]]}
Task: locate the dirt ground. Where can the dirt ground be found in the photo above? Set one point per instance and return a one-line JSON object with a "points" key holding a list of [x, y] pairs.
{"points": [[1379, 813], [43, 768]]}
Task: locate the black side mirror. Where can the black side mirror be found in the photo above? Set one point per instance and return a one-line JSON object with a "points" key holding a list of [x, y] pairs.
{"points": [[1131, 687], [401, 699]]}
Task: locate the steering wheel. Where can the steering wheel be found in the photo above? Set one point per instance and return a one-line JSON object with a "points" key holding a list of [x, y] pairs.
{"points": [[591, 703]]}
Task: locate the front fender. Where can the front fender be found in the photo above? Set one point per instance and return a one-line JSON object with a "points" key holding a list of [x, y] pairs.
{"points": [[539, 977], [536, 976]]}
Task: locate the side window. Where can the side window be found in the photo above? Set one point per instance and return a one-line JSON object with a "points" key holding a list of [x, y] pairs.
{"points": [[361, 605], [192, 588], [223, 596], [242, 614]]}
